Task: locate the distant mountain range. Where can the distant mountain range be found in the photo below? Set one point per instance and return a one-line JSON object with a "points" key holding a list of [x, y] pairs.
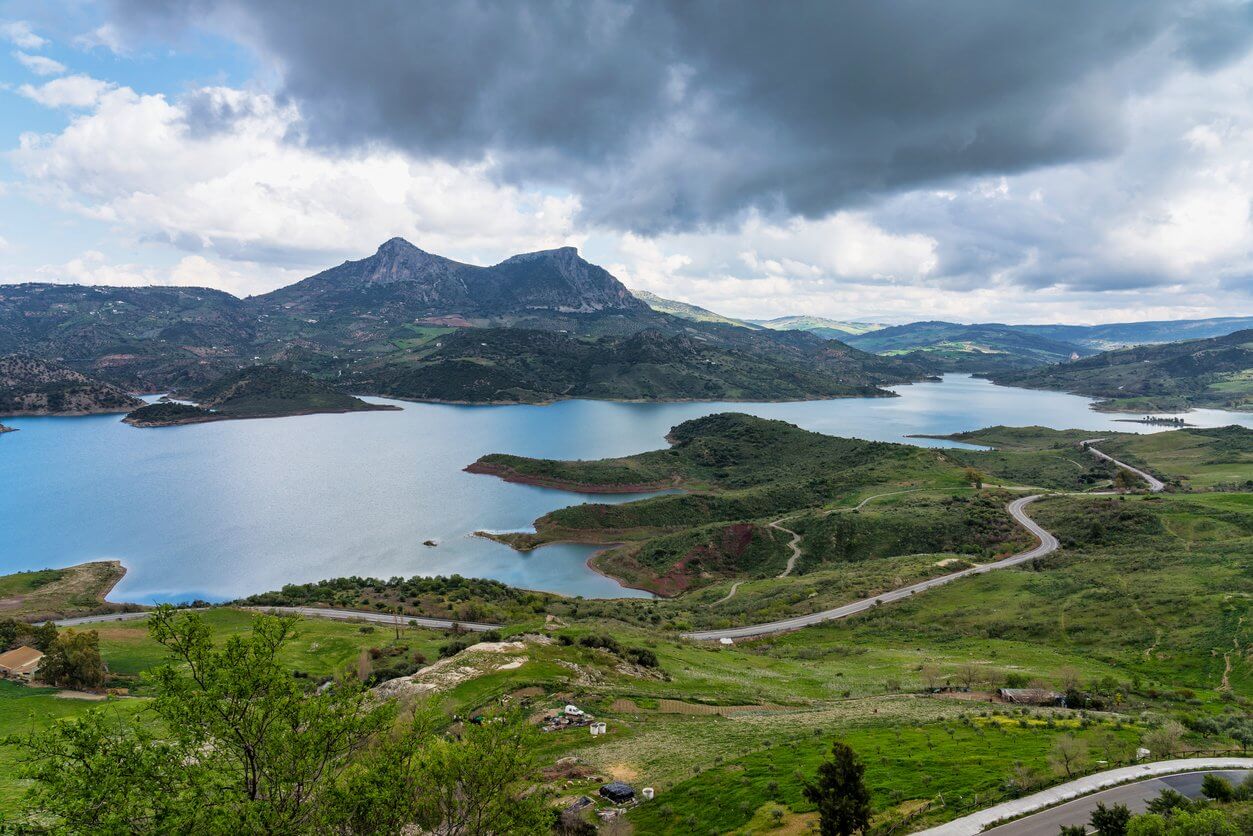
{"points": [[982, 347], [1214, 372], [969, 348], [536, 327], [407, 323], [1124, 334], [831, 328], [993, 347], [693, 313]]}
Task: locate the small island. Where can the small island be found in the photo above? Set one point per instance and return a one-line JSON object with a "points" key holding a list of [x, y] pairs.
{"points": [[168, 414], [1156, 421], [265, 391]]}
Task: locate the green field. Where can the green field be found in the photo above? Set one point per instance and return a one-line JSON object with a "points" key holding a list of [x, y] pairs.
{"points": [[25, 710]]}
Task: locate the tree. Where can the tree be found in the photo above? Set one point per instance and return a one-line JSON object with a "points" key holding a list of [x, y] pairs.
{"points": [[475, 784], [244, 747], [73, 661], [1073, 830], [1165, 740], [1110, 821], [1069, 676], [1022, 778], [1068, 753], [840, 793], [14, 633], [930, 673], [1168, 801], [970, 674], [1200, 822], [974, 477], [1217, 788]]}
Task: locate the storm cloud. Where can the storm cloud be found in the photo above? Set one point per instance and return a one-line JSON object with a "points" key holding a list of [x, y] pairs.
{"points": [[665, 117]]}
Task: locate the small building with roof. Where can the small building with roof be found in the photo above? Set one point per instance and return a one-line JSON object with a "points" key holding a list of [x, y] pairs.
{"points": [[618, 792], [20, 663], [1031, 696]]}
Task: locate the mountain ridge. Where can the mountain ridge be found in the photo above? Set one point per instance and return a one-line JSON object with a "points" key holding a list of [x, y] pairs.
{"points": [[403, 322]]}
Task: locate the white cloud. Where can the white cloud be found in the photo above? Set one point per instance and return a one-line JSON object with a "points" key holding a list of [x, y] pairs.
{"points": [[77, 91], [106, 36], [93, 267], [763, 269], [223, 172], [39, 64], [20, 34], [224, 175]]}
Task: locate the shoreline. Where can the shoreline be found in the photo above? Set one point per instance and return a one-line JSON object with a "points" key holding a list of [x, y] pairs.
{"points": [[217, 416], [509, 474]]}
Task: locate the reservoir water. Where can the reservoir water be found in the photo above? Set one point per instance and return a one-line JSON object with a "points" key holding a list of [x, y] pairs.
{"points": [[220, 510]]}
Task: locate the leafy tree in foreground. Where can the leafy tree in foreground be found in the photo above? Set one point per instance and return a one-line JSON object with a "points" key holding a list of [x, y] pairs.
{"points": [[1203, 822], [840, 793], [1169, 801], [73, 661], [1110, 821], [1217, 788], [240, 745], [472, 785]]}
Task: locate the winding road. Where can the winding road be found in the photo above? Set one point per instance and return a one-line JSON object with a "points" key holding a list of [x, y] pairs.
{"points": [[1073, 802], [1154, 483], [794, 545], [307, 612], [1047, 545]]}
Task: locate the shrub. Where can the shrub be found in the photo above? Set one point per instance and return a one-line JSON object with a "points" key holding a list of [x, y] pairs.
{"points": [[641, 656]]}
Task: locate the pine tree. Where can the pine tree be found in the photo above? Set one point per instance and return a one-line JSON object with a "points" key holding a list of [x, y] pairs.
{"points": [[840, 793]]}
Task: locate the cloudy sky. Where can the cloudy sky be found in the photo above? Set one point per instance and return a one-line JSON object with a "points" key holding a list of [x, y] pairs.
{"points": [[973, 161]]}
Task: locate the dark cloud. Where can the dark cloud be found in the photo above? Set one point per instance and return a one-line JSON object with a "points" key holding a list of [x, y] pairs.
{"points": [[672, 115]]}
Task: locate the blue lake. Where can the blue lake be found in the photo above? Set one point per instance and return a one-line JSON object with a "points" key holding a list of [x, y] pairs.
{"points": [[221, 510]]}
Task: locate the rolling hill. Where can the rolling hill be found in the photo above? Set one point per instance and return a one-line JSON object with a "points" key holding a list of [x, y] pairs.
{"points": [[1170, 377], [693, 313], [834, 329], [979, 348], [1125, 334], [30, 386]]}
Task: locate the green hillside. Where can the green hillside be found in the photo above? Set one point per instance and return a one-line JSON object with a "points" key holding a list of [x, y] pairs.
{"points": [[741, 473], [830, 328], [684, 310], [970, 348], [1172, 377], [265, 391]]}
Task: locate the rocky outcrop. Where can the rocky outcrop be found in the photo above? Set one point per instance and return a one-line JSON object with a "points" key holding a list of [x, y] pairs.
{"points": [[428, 285]]}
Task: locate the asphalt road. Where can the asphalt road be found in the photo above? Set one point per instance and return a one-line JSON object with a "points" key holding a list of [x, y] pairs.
{"points": [[1154, 483], [1076, 800], [1047, 544], [307, 612], [1135, 796]]}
